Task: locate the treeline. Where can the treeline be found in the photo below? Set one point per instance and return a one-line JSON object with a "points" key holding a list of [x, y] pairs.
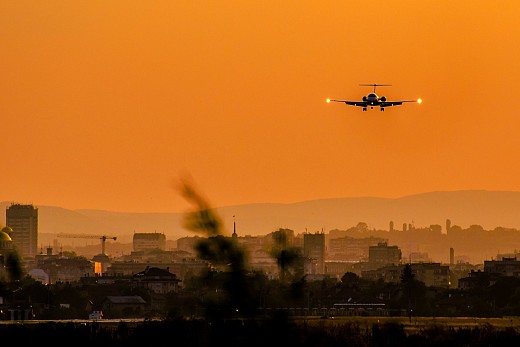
{"points": [[220, 294]]}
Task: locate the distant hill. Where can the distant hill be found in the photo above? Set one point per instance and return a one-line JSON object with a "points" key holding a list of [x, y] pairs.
{"points": [[489, 209]]}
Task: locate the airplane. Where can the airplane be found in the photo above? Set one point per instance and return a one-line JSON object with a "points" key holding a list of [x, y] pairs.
{"points": [[372, 100]]}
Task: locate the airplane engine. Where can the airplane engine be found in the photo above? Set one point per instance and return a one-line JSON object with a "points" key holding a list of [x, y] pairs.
{"points": [[364, 98], [383, 98]]}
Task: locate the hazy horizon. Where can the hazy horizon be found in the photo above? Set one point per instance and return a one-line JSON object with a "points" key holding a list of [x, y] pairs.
{"points": [[187, 207]]}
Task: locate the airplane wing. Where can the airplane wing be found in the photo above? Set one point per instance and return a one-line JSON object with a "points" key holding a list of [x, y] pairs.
{"points": [[351, 103], [395, 103]]}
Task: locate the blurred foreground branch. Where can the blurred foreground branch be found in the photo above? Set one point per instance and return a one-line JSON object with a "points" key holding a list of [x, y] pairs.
{"points": [[203, 218]]}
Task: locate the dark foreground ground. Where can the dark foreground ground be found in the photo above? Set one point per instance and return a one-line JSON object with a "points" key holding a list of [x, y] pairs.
{"points": [[271, 332]]}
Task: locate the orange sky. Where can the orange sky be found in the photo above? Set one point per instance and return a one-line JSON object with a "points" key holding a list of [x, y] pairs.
{"points": [[106, 104]]}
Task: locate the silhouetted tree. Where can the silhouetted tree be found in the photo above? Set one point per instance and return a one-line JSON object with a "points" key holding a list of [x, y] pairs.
{"points": [[362, 227], [222, 252], [290, 264], [289, 259], [407, 278], [350, 279], [14, 267]]}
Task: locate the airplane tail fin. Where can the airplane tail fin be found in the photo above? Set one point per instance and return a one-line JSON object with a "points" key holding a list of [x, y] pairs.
{"points": [[375, 85]]}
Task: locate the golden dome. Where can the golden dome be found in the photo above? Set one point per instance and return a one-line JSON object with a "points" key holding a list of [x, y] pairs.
{"points": [[4, 234]]}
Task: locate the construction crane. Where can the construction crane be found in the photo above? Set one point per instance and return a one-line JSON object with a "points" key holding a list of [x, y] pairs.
{"points": [[103, 238]]}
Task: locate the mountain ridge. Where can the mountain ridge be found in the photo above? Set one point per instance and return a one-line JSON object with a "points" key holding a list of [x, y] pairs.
{"points": [[490, 209]]}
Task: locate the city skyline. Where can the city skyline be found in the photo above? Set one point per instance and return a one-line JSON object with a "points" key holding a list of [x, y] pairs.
{"points": [[491, 215], [108, 105]]}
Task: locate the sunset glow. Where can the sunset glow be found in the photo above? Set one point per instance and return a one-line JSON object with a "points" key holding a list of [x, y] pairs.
{"points": [[105, 105]]}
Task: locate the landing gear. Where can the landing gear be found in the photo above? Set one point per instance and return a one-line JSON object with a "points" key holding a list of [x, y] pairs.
{"points": [[382, 109], [364, 108]]}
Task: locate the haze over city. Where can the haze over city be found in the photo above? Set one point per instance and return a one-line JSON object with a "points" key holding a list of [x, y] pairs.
{"points": [[106, 105]]}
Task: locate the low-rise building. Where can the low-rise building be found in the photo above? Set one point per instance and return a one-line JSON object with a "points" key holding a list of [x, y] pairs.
{"points": [[350, 248], [183, 269], [382, 255], [149, 241], [504, 267], [478, 279], [50, 268], [123, 307], [431, 274], [156, 280], [338, 268]]}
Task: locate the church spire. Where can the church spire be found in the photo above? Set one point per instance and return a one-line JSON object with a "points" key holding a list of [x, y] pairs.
{"points": [[234, 229]]}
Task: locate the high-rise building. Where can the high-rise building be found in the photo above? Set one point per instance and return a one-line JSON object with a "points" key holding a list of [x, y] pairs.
{"points": [[314, 250], [23, 219]]}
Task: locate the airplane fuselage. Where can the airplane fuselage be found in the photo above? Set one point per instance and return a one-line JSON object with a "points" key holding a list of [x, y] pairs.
{"points": [[372, 99]]}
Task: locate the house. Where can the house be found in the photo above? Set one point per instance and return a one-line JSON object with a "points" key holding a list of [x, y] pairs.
{"points": [[132, 306], [158, 281]]}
